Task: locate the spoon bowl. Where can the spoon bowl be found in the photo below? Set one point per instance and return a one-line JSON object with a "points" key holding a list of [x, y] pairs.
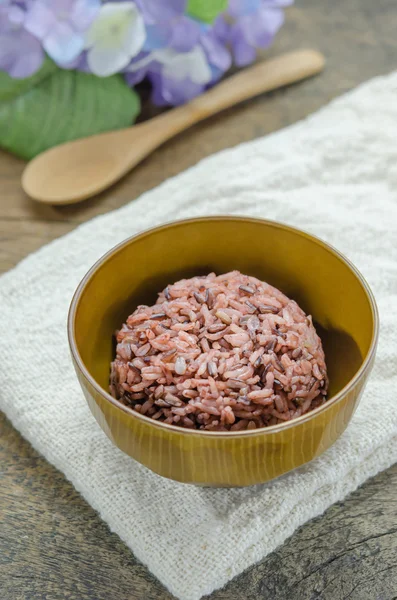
{"points": [[77, 170]]}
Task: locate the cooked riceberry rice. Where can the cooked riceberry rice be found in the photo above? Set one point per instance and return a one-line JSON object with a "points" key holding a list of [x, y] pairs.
{"points": [[220, 353]]}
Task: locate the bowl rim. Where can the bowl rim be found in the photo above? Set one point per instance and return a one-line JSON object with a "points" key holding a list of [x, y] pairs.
{"points": [[203, 432]]}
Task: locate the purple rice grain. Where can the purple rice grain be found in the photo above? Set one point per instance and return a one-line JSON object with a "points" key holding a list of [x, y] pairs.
{"points": [[175, 360]]}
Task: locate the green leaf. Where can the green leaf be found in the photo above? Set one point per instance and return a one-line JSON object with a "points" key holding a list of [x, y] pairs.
{"points": [[11, 88], [206, 10], [55, 106]]}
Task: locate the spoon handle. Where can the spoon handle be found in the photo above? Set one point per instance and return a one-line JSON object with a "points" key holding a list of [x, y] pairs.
{"points": [[261, 77]]}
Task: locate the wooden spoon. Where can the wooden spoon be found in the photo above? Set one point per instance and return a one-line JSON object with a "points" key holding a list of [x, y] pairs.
{"points": [[79, 169]]}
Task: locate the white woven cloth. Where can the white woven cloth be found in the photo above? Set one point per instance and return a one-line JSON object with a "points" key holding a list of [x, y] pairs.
{"points": [[335, 175]]}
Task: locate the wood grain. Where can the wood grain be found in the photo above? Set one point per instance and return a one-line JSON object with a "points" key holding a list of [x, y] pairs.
{"points": [[52, 544]]}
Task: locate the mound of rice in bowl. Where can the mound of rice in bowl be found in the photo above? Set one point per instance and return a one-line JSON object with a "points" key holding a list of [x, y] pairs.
{"points": [[220, 353]]}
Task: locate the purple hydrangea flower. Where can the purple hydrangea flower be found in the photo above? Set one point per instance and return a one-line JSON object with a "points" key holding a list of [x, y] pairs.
{"points": [[21, 54], [168, 91], [186, 34], [161, 11], [60, 25], [168, 26], [117, 35], [181, 58], [250, 24], [221, 30], [256, 24], [218, 55], [242, 8], [157, 39]]}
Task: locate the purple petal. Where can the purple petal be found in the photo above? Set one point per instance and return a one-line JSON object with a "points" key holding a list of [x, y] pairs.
{"points": [[244, 53], [21, 54], [155, 67], [185, 34], [277, 3], [79, 63], [135, 77], [157, 96], [221, 29], [169, 91], [5, 25], [158, 11], [240, 8], [259, 30], [16, 15], [157, 36], [217, 54], [60, 8], [143, 58], [216, 74], [265, 26], [83, 13], [63, 44], [39, 19], [82, 63]]}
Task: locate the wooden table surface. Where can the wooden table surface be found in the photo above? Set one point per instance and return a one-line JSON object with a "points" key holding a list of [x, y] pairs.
{"points": [[52, 544]]}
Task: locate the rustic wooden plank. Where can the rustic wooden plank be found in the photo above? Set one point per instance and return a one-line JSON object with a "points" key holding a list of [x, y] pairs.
{"points": [[348, 553], [52, 544], [19, 237]]}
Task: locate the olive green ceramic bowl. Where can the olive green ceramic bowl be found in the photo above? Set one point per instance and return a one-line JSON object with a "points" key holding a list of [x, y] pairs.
{"points": [[323, 282]]}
